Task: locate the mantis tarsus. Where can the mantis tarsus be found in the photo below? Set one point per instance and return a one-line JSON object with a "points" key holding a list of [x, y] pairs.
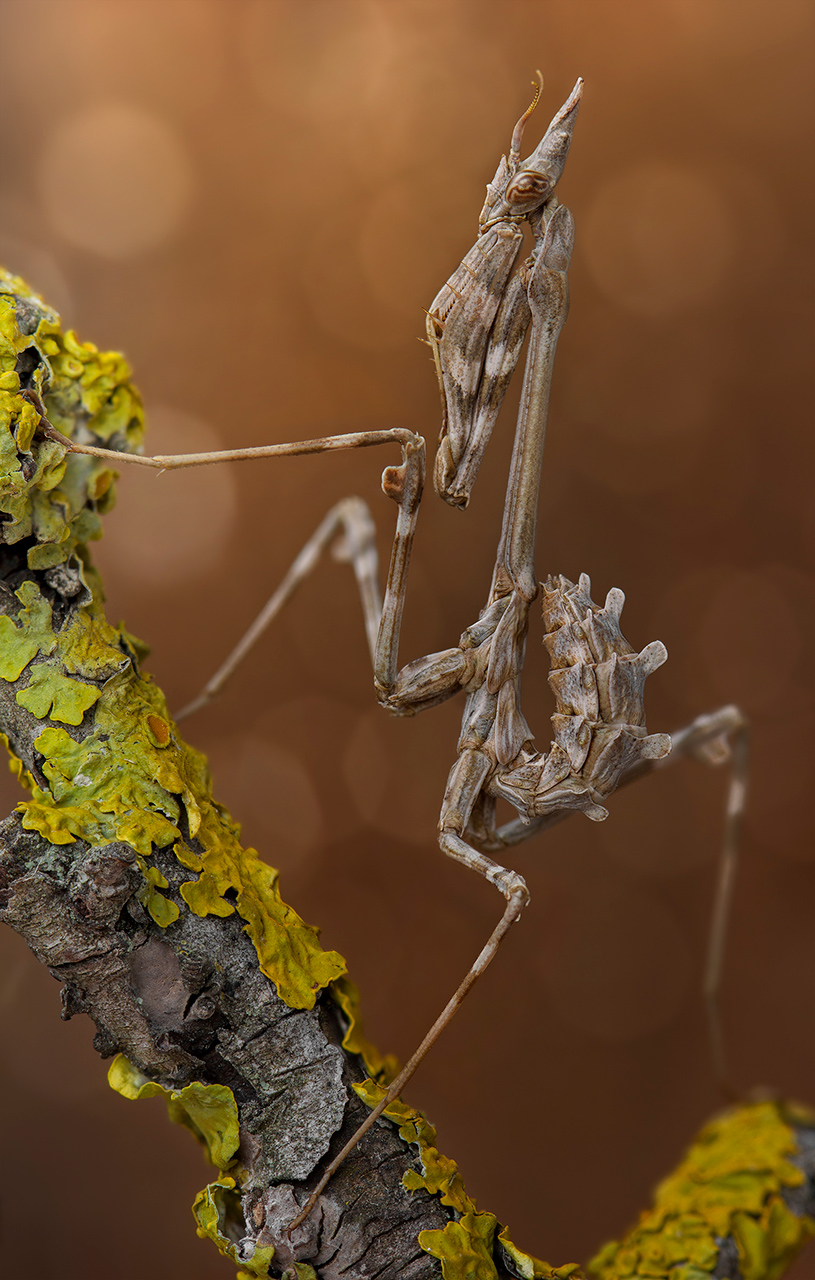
{"points": [[476, 327]]}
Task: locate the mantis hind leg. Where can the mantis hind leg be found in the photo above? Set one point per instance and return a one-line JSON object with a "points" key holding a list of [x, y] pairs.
{"points": [[349, 527], [463, 789], [716, 739]]}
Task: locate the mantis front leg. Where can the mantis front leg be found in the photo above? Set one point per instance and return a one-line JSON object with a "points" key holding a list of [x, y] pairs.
{"points": [[477, 323], [403, 483]]}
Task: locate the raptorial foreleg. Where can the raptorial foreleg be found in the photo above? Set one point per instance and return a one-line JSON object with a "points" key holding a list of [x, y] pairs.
{"points": [[403, 483]]}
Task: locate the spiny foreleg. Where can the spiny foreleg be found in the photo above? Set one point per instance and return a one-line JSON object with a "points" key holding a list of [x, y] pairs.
{"points": [[350, 519]]}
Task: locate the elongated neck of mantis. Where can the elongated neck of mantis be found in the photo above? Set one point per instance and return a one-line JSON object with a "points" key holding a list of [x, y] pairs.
{"points": [[515, 563]]}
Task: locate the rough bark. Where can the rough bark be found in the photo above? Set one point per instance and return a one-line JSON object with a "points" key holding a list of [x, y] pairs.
{"points": [[191, 1004]]}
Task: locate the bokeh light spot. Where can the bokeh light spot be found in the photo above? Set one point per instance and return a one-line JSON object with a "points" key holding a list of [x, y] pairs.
{"points": [[622, 967], [269, 788], [735, 637], [115, 179], [658, 239], [395, 771], [170, 528], [318, 61]]}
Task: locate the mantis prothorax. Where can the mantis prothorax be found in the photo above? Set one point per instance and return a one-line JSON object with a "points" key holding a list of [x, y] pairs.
{"points": [[476, 327]]}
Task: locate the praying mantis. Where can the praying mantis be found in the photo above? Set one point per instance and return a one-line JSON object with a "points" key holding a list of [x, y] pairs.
{"points": [[476, 327]]}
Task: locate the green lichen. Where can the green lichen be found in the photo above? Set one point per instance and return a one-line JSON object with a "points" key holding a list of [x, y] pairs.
{"points": [[729, 1184]]}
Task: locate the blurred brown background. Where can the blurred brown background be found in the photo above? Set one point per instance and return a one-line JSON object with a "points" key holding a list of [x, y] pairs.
{"points": [[254, 199]]}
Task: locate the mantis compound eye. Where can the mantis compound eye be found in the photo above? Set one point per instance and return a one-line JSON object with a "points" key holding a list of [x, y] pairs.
{"points": [[527, 185]]}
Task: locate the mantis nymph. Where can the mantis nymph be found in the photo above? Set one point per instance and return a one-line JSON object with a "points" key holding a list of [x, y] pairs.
{"points": [[476, 327]]}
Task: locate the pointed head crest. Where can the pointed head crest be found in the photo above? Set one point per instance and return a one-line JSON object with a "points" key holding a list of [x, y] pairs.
{"points": [[521, 188]]}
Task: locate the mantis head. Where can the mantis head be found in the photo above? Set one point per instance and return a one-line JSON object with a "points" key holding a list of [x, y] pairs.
{"points": [[520, 188], [477, 323]]}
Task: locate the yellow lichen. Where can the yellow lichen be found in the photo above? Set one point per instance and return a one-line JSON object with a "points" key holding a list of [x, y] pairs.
{"points": [[121, 783], [381, 1067], [16, 765], [51, 694], [31, 634], [87, 393], [211, 1209], [131, 777], [465, 1246], [209, 1111], [729, 1184], [163, 910]]}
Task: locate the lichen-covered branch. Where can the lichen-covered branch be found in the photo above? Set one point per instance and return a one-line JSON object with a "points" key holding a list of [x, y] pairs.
{"points": [[129, 882]]}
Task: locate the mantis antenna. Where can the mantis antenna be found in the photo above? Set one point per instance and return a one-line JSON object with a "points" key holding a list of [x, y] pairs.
{"points": [[518, 131]]}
